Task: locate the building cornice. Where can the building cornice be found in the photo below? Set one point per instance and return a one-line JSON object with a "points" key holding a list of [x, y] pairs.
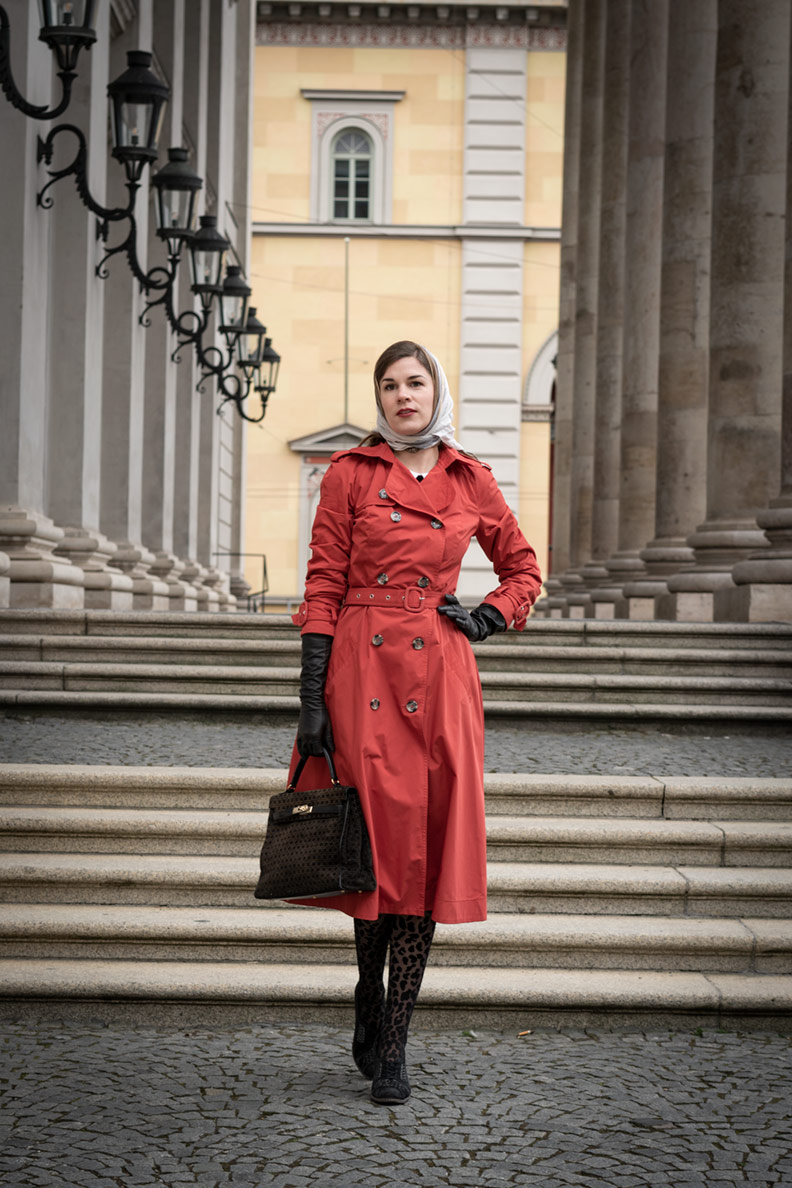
{"points": [[403, 36], [407, 231]]}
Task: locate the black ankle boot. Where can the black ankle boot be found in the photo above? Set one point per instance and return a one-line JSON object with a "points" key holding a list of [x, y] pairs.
{"points": [[390, 1085], [364, 1040]]}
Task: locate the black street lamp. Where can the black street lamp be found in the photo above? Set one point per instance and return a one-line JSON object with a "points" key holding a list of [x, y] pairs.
{"points": [[233, 304], [268, 368], [138, 99], [207, 255], [66, 26], [250, 344], [176, 191]]}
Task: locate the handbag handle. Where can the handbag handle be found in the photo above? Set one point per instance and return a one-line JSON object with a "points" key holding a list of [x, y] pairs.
{"points": [[334, 780]]}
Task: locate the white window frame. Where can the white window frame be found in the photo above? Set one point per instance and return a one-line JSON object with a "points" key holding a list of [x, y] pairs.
{"points": [[370, 112], [352, 178]]}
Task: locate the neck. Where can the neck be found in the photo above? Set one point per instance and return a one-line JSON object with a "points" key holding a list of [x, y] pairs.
{"points": [[419, 461]]}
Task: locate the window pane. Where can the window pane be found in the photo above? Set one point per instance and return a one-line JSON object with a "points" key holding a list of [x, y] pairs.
{"points": [[342, 168], [339, 210], [361, 189], [342, 189], [353, 143], [361, 210], [361, 168]]}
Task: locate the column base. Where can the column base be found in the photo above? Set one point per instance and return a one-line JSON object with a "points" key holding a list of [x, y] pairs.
{"points": [[208, 600], [5, 584], [718, 545], [689, 606], [37, 578], [640, 608], [106, 588], [168, 568], [759, 602], [218, 582], [148, 593]]}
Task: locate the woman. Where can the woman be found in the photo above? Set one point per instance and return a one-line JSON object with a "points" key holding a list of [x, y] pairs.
{"points": [[389, 680]]}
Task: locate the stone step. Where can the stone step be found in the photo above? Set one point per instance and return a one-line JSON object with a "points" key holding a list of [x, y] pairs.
{"points": [[260, 992], [649, 712], [241, 626], [670, 797], [498, 687], [580, 888], [520, 656], [509, 839], [297, 935]]}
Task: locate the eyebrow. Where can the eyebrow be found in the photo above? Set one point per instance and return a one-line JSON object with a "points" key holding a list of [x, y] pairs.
{"points": [[389, 378]]}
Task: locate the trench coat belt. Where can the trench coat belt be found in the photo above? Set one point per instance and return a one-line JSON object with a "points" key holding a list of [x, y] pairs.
{"points": [[411, 599]]}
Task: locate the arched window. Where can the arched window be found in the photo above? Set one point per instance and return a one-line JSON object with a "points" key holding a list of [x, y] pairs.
{"points": [[352, 160]]}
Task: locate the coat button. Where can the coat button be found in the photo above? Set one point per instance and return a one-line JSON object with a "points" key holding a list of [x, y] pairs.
{"points": [[383, 579], [423, 582], [374, 703], [418, 643], [383, 494], [436, 524], [412, 706], [377, 640], [395, 516]]}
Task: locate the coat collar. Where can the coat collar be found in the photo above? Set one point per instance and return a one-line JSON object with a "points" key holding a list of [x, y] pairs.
{"points": [[431, 498]]}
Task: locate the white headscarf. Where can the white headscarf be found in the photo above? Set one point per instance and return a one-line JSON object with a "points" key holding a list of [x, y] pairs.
{"points": [[440, 428]]}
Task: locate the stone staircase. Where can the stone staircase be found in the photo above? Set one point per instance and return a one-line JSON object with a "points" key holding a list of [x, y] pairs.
{"points": [[555, 669], [626, 898]]}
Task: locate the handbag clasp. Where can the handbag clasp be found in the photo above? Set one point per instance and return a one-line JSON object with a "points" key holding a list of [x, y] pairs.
{"points": [[302, 808]]}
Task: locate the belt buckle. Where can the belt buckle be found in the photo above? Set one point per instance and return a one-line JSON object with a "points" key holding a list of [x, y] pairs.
{"points": [[413, 599]]}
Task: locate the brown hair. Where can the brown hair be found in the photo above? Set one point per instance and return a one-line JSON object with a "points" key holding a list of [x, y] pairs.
{"points": [[400, 350], [403, 350]]}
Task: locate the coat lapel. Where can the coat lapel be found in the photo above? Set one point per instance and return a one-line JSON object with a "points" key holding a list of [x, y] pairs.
{"points": [[433, 496]]}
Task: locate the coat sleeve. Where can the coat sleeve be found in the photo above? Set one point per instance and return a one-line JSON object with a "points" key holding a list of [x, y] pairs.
{"points": [[513, 558], [331, 542]]}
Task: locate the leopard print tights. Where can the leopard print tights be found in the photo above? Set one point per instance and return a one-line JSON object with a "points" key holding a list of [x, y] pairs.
{"points": [[410, 939]]}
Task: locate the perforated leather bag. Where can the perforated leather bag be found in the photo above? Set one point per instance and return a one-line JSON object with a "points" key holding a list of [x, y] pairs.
{"points": [[316, 844]]}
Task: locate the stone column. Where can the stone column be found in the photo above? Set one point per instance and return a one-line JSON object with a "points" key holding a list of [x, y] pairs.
{"points": [[610, 305], [27, 536], [684, 294], [160, 426], [763, 583], [746, 315], [555, 602], [188, 398], [76, 342], [121, 508], [586, 307], [241, 200], [217, 153], [644, 198]]}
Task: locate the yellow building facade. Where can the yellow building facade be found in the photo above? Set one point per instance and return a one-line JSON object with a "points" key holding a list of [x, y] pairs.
{"points": [[406, 184]]}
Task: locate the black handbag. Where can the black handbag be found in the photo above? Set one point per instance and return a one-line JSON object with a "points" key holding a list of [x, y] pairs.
{"points": [[317, 843]]}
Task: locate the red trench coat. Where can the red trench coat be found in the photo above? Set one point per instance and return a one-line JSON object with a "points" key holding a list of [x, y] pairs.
{"points": [[403, 690]]}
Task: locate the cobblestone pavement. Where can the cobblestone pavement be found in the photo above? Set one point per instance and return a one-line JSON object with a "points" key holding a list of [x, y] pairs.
{"points": [[258, 741], [283, 1107]]}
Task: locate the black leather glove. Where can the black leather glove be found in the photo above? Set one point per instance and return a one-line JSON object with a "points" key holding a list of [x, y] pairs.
{"points": [[314, 730], [476, 624]]}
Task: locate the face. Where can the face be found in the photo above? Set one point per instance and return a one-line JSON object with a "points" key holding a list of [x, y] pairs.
{"points": [[407, 396]]}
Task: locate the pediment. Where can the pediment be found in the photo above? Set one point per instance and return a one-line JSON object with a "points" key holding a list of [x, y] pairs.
{"points": [[327, 441]]}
